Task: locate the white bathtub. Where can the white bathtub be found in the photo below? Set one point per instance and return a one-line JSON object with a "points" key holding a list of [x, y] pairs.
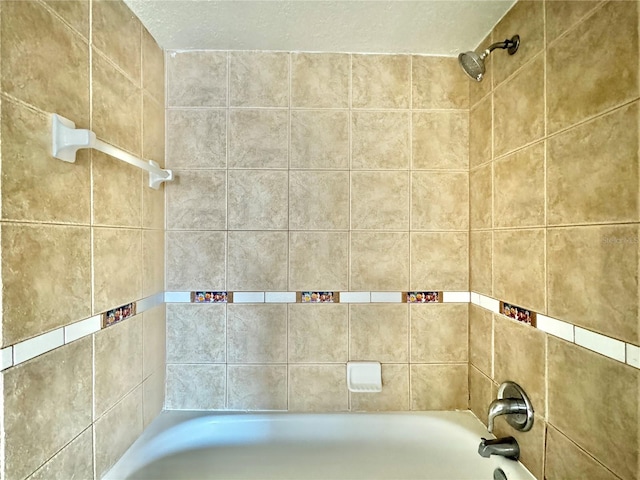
{"points": [[367, 446]]}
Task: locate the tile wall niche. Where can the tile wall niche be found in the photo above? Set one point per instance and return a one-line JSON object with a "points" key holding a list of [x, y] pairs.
{"points": [[78, 239], [554, 188], [316, 171]]}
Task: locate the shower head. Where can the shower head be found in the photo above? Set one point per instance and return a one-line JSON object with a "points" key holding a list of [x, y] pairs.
{"points": [[473, 64]]}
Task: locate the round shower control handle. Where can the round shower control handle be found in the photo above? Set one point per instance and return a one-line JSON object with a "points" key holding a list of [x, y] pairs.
{"points": [[520, 421]]}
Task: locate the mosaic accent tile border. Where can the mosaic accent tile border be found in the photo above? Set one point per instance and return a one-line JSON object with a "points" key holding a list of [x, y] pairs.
{"points": [[596, 342], [118, 314], [211, 297]]}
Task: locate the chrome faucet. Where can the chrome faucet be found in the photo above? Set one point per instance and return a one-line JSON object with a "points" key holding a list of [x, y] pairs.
{"points": [[505, 406], [505, 447], [513, 402]]}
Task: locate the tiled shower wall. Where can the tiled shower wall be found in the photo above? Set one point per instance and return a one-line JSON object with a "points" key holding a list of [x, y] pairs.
{"points": [[325, 172], [78, 239], [554, 228]]}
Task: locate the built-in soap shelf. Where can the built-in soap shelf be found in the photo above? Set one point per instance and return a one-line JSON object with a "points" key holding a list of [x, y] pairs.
{"points": [[364, 377]]}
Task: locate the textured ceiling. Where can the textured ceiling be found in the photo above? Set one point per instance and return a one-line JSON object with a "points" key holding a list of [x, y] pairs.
{"points": [[433, 27]]}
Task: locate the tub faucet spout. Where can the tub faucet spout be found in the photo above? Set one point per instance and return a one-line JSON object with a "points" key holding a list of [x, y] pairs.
{"points": [[505, 447], [505, 406]]}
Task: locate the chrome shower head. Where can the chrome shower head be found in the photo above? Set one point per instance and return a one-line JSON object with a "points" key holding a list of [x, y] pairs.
{"points": [[473, 64]]}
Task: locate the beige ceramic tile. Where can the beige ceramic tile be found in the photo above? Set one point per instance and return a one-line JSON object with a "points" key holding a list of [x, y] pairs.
{"points": [[153, 145], [196, 387], [480, 271], [152, 206], [562, 15], [379, 333], [116, 32], [195, 261], [532, 443], [318, 388], [380, 140], [257, 261], [602, 157], [480, 197], [526, 19], [197, 199], [257, 333], [478, 90], [440, 200], [257, 387], [26, 161], [519, 356], [480, 393], [518, 108], [596, 383], [520, 278], [117, 255], [480, 132], [196, 138], [438, 82], [380, 200], [318, 335], [258, 138], [320, 139], [320, 80], [318, 200], [197, 79], [75, 460], [153, 254], [481, 339], [381, 81], [258, 199], [58, 383], [564, 459], [152, 67], [116, 431], [116, 106], [586, 265], [438, 333], [439, 387], [395, 392], [117, 192], [440, 140], [60, 271], [154, 340], [75, 13], [117, 363], [43, 40], [153, 396], [379, 261], [318, 261], [440, 261], [196, 333], [518, 188], [576, 91], [259, 79]]}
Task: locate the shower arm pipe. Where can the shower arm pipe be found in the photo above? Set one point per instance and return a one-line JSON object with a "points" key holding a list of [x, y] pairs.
{"points": [[67, 140], [506, 44]]}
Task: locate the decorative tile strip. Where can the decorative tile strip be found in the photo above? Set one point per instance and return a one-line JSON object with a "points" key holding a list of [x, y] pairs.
{"points": [[423, 297], [318, 297], [518, 313], [211, 297], [118, 314]]}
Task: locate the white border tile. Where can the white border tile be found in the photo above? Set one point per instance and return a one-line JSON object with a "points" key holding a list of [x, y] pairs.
{"points": [[609, 347], [279, 297], [475, 298], [148, 303], [6, 358], [33, 347], [248, 297], [456, 297], [490, 303], [557, 328], [633, 355], [355, 297], [386, 297], [177, 297], [82, 329]]}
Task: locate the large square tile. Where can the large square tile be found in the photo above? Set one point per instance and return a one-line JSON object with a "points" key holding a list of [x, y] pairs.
{"points": [[197, 200], [439, 333], [258, 199], [380, 200], [257, 333], [379, 333], [196, 79], [380, 140], [257, 261], [318, 261], [196, 333], [440, 261], [196, 260], [379, 261], [259, 79], [320, 80], [318, 200], [318, 333], [381, 81]]}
